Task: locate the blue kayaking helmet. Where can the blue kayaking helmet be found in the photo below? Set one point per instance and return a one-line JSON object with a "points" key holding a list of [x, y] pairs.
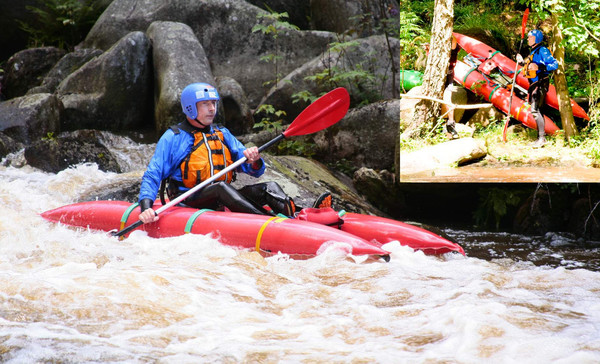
{"points": [[537, 34], [195, 92]]}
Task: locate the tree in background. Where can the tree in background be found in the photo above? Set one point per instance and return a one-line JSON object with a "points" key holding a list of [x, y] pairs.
{"points": [[438, 61]]}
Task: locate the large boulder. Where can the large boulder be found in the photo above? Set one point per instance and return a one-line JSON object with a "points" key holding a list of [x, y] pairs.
{"points": [[179, 60], [27, 69], [364, 17], [28, 118], [64, 67], [365, 137], [71, 148], [370, 54], [224, 28], [238, 115], [112, 91]]}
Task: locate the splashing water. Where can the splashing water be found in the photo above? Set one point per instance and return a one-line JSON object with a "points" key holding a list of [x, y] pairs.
{"points": [[83, 296]]}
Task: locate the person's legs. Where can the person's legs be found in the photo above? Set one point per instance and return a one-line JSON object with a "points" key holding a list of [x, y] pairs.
{"points": [[536, 99], [269, 193], [222, 193]]}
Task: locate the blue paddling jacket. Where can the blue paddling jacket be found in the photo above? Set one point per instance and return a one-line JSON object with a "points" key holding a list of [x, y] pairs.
{"points": [[171, 150], [541, 56]]}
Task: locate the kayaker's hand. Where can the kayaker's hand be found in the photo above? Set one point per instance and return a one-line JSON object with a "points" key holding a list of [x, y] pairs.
{"points": [[252, 155], [148, 216], [519, 58]]}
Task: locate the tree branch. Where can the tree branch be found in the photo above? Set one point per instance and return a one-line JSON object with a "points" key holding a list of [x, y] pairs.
{"points": [[583, 26]]}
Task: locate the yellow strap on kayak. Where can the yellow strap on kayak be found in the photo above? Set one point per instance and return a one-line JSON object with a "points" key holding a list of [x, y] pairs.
{"points": [[519, 111], [192, 219], [126, 216], [264, 226]]}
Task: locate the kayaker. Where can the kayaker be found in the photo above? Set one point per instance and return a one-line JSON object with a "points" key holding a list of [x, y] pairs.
{"points": [[194, 150], [538, 66]]}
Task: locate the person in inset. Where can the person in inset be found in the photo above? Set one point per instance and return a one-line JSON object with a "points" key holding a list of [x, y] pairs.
{"points": [[538, 66], [450, 89], [194, 150]]}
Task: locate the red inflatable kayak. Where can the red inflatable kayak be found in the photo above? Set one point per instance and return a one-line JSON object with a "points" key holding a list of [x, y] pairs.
{"points": [[485, 53], [472, 79], [300, 238]]}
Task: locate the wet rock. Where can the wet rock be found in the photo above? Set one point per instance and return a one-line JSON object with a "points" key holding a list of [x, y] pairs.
{"points": [[68, 64], [224, 28], [54, 154], [380, 189], [443, 155], [238, 115], [365, 137], [304, 179], [27, 69], [8, 145], [178, 59], [112, 91], [372, 53], [28, 118]]}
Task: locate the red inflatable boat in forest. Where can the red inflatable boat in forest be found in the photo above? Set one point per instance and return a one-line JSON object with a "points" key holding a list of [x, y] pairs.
{"points": [[305, 236], [490, 58]]}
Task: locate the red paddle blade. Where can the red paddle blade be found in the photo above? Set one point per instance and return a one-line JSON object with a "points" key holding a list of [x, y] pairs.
{"points": [[524, 23], [324, 112]]}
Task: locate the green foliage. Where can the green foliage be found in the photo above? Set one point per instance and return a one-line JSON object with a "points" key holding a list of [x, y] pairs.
{"points": [[271, 119], [273, 25], [494, 204], [579, 21], [60, 23], [298, 146], [411, 36]]}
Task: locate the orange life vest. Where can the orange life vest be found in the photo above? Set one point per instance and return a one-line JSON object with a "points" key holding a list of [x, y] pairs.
{"points": [[209, 156]]}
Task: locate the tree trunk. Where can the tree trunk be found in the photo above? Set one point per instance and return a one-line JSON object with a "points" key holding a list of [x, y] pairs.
{"points": [[438, 61], [560, 81]]}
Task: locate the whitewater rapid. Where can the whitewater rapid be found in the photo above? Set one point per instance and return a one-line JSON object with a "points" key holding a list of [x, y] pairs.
{"points": [[82, 296]]}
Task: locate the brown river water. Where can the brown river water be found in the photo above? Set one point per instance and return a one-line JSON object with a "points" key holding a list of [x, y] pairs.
{"points": [[79, 296]]}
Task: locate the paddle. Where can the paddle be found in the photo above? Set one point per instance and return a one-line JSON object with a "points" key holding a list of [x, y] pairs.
{"points": [[324, 112], [512, 89]]}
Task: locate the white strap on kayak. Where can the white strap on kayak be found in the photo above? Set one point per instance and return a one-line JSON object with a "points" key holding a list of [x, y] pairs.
{"points": [[264, 226]]}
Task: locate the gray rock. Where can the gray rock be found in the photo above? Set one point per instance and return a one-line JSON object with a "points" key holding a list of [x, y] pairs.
{"points": [[238, 115], [354, 16], [28, 118], [224, 28], [179, 60], [8, 145], [372, 54], [365, 137], [27, 69], [70, 148], [112, 91], [68, 64]]}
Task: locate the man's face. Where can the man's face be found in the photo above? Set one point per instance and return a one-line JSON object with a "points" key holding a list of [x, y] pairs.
{"points": [[531, 40], [206, 111]]}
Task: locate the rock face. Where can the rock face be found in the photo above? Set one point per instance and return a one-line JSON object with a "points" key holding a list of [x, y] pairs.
{"points": [[225, 31], [365, 137], [112, 91], [28, 118], [67, 149], [178, 59], [372, 54], [28, 68]]}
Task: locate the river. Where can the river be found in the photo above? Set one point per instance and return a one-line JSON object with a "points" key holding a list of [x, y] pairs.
{"points": [[82, 296]]}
